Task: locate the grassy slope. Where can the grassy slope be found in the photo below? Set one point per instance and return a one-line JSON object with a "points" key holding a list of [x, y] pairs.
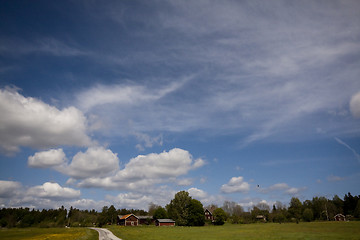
{"points": [[49, 233], [314, 230]]}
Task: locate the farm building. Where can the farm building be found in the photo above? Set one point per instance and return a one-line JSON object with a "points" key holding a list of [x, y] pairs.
{"points": [[339, 217], [164, 222], [146, 220], [128, 220], [208, 215]]}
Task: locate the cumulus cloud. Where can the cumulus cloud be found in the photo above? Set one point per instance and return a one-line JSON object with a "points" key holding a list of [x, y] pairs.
{"points": [[236, 184], [144, 171], [47, 159], [9, 188], [53, 191], [95, 162], [355, 105], [197, 193], [131, 200], [27, 121], [174, 163]]}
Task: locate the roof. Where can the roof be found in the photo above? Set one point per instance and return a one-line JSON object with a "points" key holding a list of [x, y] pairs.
{"points": [[144, 217], [165, 220], [126, 216], [207, 210]]}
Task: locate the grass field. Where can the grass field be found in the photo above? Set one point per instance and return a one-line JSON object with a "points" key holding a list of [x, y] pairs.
{"points": [[49, 234], [314, 230]]}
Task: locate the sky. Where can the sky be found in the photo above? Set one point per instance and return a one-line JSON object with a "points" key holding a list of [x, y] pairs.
{"points": [[125, 103]]}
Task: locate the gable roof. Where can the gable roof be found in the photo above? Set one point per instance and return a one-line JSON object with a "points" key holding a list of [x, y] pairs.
{"points": [[207, 210], [126, 216], [165, 220]]}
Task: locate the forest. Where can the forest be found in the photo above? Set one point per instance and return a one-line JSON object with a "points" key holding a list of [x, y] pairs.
{"points": [[189, 212]]}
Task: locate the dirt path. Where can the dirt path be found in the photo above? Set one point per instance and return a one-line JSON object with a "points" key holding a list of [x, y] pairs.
{"points": [[105, 234]]}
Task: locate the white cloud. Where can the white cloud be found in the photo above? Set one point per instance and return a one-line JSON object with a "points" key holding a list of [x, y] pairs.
{"points": [[284, 187], [125, 95], [355, 105], [30, 122], [87, 204], [9, 188], [357, 156], [184, 182], [47, 159], [131, 200], [236, 184], [53, 191], [295, 191], [275, 187], [148, 141], [95, 162], [144, 171], [197, 193], [174, 163], [333, 178]]}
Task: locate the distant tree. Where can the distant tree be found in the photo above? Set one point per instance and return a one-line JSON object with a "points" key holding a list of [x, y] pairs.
{"points": [[308, 215], [350, 203], [320, 208], [196, 215], [152, 208], [219, 216], [178, 208], [111, 214], [357, 210], [160, 213], [339, 204], [295, 209]]}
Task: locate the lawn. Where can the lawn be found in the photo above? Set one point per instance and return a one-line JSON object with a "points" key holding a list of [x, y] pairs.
{"points": [[49, 234], [314, 230]]}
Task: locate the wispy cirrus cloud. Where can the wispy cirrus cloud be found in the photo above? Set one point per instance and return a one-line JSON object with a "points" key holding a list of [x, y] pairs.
{"points": [[357, 156]]}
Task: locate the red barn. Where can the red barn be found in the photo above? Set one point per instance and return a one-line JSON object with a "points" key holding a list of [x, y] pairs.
{"points": [[164, 222], [128, 220]]}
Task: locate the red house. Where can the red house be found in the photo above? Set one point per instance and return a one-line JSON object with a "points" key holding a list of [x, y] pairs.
{"points": [[208, 215], [128, 220], [164, 222]]}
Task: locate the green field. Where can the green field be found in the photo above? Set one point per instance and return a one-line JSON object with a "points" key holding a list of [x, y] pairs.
{"points": [[49, 234], [314, 230]]}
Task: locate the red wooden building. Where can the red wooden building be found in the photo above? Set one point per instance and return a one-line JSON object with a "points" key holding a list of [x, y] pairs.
{"points": [[208, 215], [128, 220], [164, 222]]}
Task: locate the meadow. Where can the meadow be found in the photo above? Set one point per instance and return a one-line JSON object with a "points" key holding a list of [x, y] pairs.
{"points": [[48, 234], [313, 230]]}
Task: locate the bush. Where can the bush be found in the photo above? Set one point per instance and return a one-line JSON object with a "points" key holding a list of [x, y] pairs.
{"points": [[220, 216]]}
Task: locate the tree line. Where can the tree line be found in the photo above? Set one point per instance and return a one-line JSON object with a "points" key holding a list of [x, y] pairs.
{"points": [[187, 211]]}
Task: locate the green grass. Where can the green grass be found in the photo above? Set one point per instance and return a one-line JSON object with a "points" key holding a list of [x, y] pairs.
{"points": [[49, 234], [314, 230]]}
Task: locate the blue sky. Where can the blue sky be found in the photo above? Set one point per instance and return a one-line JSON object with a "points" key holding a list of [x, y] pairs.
{"points": [[128, 102]]}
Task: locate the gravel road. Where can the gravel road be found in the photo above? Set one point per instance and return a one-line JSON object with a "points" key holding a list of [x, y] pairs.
{"points": [[105, 234]]}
